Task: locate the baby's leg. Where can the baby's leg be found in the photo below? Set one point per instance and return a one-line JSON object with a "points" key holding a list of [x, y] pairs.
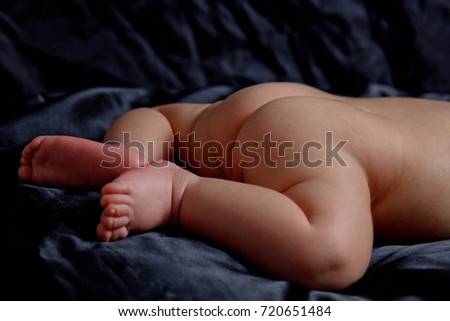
{"points": [[141, 200], [315, 234], [326, 246], [144, 130], [71, 162]]}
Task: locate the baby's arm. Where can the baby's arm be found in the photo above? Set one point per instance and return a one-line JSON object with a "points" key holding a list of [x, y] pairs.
{"points": [[270, 230]]}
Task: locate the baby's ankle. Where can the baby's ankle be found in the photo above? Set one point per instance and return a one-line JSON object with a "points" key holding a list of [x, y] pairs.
{"points": [[181, 179]]}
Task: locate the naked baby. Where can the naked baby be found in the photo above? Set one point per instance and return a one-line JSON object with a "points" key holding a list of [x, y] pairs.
{"points": [[297, 181]]}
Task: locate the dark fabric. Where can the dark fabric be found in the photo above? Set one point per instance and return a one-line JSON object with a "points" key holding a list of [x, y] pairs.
{"points": [[71, 67]]}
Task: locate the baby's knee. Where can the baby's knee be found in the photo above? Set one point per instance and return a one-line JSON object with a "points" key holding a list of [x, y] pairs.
{"points": [[337, 274], [334, 267], [142, 122], [137, 116]]}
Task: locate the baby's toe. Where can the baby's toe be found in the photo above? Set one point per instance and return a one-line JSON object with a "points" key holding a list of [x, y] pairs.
{"points": [[119, 233], [31, 149], [103, 233], [25, 172], [116, 215], [115, 188], [108, 235], [114, 222], [114, 199]]}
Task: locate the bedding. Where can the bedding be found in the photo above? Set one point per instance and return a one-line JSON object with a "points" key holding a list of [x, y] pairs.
{"points": [[71, 67]]}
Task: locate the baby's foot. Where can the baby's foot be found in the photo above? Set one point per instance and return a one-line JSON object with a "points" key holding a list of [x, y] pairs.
{"points": [[140, 200], [71, 162]]}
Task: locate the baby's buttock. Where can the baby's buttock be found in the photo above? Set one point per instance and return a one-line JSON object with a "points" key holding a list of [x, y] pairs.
{"points": [[290, 139]]}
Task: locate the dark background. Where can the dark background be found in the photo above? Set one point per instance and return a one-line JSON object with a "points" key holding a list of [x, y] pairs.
{"points": [[71, 67]]}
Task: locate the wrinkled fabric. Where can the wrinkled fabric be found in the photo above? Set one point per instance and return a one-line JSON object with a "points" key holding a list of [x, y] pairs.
{"points": [[72, 67]]}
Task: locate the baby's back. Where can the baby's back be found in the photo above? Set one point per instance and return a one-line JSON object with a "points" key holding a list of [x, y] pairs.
{"points": [[416, 203]]}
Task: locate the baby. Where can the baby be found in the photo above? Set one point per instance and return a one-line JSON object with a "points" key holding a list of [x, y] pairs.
{"points": [[297, 181]]}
